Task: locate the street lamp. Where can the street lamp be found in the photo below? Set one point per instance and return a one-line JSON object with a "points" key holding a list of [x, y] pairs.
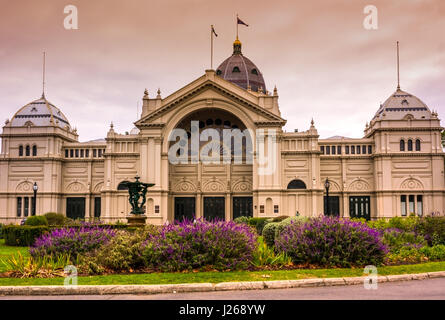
{"points": [[327, 184], [34, 200]]}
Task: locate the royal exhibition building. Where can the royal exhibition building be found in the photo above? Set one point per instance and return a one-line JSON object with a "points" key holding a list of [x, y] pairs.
{"points": [[180, 144]]}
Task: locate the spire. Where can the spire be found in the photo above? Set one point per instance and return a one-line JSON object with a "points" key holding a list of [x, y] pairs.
{"points": [[43, 75], [398, 67]]}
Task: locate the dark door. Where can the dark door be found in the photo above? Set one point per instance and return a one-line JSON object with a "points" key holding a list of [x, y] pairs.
{"points": [[334, 206], [97, 204], [360, 207], [75, 208], [184, 208], [242, 207], [214, 208]]}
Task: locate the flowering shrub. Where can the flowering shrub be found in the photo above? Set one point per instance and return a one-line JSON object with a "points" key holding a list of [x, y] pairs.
{"points": [[286, 222], [72, 241], [435, 252], [396, 239], [406, 255], [433, 229], [329, 241], [122, 253], [188, 245], [415, 255]]}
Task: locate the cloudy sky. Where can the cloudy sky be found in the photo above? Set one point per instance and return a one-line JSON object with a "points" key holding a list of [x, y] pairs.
{"points": [[325, 64]]}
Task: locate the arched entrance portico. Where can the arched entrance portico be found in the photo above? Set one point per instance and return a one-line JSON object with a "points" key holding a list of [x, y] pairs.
{"points": [[218, 186]]}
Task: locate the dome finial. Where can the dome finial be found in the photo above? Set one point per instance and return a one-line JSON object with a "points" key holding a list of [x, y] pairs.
{"points": [[237, 46]]}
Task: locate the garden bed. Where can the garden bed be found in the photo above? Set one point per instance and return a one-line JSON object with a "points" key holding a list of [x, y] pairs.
{"points": [[217, 277], [290, 247]]}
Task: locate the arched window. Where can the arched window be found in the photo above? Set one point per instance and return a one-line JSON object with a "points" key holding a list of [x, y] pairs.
{"points": [[20, 151], [410, 145], [27, 151], [34, 150], [417, 145], [402, 145], [236, 69], [255, 71], [122, 186], [296, 184], [269, 204]]}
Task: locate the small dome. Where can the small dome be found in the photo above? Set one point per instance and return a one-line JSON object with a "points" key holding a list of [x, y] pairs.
{"points": [[400, 104], [241, 71], [40, 113], [135, 130]]}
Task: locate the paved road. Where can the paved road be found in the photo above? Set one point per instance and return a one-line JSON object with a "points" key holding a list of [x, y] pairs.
{"points": [[406, 290]]}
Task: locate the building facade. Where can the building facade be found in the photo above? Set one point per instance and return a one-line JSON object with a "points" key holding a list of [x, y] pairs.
{"points": [[396, 169]]}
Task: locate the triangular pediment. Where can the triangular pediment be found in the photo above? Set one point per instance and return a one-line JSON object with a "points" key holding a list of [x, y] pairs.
{"points": [[211, 90]]}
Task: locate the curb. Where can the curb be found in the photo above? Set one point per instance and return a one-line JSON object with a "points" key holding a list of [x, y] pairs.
{"points": [[204, 287]]}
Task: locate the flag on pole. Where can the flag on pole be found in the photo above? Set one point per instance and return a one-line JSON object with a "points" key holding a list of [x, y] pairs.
{"points": [[239, 21], [214, 32]]}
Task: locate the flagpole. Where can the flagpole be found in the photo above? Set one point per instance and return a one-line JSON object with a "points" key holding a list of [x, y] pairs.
{"points": [[398, 67], [43, 73], [237, 26], [211, 47]]}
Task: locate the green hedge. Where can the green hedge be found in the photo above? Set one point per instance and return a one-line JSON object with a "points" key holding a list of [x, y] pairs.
{"points": [[36, 221], [23, 236], [76, 226], [269, 231], [259, 223], [55, 218], [1, 230]]}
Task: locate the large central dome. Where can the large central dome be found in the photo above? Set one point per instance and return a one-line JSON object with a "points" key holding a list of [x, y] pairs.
{"points": [[239, 70]]}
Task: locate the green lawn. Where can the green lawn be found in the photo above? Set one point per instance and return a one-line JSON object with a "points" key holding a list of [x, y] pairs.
{"points": [[212, 277]]}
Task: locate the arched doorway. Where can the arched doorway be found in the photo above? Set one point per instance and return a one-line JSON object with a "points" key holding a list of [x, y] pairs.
{"points": [[211, 176]]}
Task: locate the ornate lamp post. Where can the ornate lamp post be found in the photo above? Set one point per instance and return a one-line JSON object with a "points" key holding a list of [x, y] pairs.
{"points": [[34, 200], [327, 184]]}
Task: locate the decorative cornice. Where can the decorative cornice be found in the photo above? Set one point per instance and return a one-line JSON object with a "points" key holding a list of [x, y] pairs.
{"points": [[27, 135], [296, 152], [374, 130], [151, 125], [408, 154], [157, 113], [122, 154], [269, 123]]}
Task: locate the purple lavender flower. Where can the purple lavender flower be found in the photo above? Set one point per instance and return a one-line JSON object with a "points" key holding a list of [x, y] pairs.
{"points": [[72, 241], [331, 241], [195, 244]]}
